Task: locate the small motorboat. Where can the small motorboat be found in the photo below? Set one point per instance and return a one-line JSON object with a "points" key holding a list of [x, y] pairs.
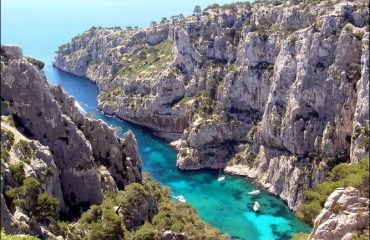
{"points": [[181, 198], [221, 178], [256, 206], [254, 192]]}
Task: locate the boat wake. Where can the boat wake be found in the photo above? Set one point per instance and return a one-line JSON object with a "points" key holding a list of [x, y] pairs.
{"points": [[78, 105]]}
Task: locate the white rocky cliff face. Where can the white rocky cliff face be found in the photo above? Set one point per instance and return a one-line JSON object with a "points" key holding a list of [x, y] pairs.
{"points": [[346, 211], [76, 158], [269, 92]]}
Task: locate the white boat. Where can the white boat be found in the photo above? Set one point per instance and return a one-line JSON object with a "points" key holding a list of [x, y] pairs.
{"points": [[256, 206], [221, 178], [181, 198], [254, 192]]}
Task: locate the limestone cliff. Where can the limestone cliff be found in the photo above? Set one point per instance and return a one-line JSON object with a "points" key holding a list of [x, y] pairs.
{"points": [[274, 92], [345, 214], [75, 158]]}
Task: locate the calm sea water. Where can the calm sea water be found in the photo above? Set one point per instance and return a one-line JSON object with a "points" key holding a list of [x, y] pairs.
{"points": [[40, 26]]}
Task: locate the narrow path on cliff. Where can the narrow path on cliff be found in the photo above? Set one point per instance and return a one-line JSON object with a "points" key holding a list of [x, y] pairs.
{"points": [[41, 26]]}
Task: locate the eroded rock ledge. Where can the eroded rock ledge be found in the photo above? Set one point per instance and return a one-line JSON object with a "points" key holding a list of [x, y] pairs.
{"points": [[346, 212]]}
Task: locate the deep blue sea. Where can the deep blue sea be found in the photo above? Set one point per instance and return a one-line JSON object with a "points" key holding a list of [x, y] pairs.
{"points": [[40, 26]]}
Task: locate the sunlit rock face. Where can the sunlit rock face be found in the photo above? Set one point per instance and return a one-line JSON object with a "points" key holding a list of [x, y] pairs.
{"points": [[346, 211]]}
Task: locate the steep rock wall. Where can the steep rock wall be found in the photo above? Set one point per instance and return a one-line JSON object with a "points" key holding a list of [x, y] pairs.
{"points": [[83, 157]]}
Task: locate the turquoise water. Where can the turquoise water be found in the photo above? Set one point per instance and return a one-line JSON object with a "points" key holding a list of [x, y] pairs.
{"points": [[40, 26]]}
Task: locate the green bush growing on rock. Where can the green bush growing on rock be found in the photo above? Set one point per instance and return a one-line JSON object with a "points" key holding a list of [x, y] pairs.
{"points": [[361, 132], [28, 194], [37, 63], [336, 208], [342, 175], [183, 218], [5, 236], [5, 155], [25, 149], [307, 212], [354, 72], [159, 192], [149, 62], [92, 215], [364, 142], [183, 152], [10, 138], [102, 222], [49, 171], [233, 36], [146, 232], [59, 228], [236, 5], [252, 131], [17, 172], [206, 104], [361, 235], [66, 45], [25, 196], [109, 228], [134, 195], [7, 140], [46, 208], [90, 115], [35, 204], [300, 236], [111, 95], [213, 6]]}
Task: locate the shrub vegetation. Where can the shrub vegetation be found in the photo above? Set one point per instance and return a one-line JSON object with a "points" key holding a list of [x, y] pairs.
{"points": [[5, 236], [37, 63], [102, 222], [32, 201], [25, 149], [342, 175], [300, 236], [148, 62], [17, 172]]}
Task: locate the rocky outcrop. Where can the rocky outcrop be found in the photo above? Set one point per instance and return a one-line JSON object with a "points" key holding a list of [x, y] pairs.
{"points": [[120, 156], [138, 211], [283, 174], [360, 136], [346, 211], [169, 235], [74, 157], [290, 80], [37, 162], [8, 221]]}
